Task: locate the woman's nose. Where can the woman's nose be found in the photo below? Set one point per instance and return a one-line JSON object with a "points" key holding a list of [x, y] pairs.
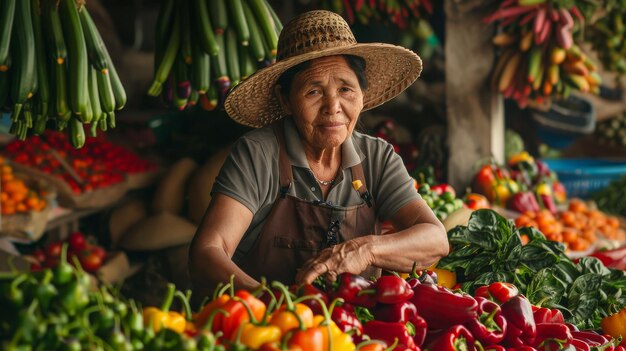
{"points": [[331, 104]]}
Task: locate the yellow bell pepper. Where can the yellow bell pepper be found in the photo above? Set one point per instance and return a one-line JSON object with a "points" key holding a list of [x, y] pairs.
{"points": [[254, 336], [340, 341], [615, 324], [287, 320], [520, 157], [445, 278], [158, 318]]}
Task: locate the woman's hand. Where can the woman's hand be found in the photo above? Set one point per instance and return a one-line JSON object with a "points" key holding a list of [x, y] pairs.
{"points": [[353, 256]]}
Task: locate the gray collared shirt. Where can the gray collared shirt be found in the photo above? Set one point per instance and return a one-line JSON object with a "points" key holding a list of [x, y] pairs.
{"points": [[250, 175]]}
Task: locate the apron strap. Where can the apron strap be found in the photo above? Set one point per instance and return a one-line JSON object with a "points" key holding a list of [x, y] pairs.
{"points": [[284, 165], [358, 183]]}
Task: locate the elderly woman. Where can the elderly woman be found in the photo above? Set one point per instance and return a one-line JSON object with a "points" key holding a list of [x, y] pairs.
{"points": [[301, 197]]}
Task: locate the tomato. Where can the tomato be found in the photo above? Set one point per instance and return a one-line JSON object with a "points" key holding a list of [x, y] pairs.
{"points": [[40, 256], [98, 251], [77, 241], [90, 261], [53, 250]]}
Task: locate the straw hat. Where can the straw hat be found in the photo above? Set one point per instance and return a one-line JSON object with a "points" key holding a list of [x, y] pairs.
{"points": [[389, 69]]}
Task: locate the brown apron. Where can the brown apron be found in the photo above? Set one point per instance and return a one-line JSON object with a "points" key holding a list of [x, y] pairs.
{"points": [[297, 230]]}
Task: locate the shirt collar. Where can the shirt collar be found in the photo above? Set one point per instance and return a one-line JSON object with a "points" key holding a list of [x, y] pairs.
{"points": [[350, 155]]}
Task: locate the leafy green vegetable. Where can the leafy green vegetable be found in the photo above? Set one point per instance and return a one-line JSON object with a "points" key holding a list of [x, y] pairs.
{"points": [[489, 249]]}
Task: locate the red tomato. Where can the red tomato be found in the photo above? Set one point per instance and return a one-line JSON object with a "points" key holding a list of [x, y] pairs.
{"points": [[77, 241], [90, 261], [98, 251], [40, 256], [53, 250]]}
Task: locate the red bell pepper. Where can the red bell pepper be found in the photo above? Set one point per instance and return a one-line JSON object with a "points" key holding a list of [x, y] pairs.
{"points": [[441, 308], [612, 258], [580, 345], [348, 287], [391, 289], [475, 201], [499, 292], [389, 332], [547, 315], [490, 326], [403, 312], [455, 338], [494, 348], [345, 318], [524, 201], [521, 348], [593, 339], [312, 290], [551, 335], [521, 322]]}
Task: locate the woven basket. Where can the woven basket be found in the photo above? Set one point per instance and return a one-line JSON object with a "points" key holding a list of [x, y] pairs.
{"points": [[67, 198]]}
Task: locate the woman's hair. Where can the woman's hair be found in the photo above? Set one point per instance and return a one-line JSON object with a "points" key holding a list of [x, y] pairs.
{"points": [[356, 63]]}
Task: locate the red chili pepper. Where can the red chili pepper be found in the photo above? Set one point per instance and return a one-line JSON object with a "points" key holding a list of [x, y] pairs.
{"points": [[346, 319], [441, 308], [551, 334], [348, 288], [547, 315], [391, 289], [389, 332], [455, 338], [490, 326], [521, 323]]}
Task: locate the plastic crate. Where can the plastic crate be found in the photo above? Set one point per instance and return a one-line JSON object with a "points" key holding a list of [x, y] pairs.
{"points": [[582, 177]]}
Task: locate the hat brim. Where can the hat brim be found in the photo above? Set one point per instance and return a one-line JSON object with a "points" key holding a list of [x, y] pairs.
{"points": [[389, 70]]}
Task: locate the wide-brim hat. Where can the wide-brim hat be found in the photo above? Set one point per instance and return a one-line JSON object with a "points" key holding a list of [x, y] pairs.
{"points": [[389, 69]]}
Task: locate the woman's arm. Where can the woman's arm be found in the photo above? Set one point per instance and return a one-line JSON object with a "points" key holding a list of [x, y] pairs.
{"points": [[420, 238], [210, 255]]}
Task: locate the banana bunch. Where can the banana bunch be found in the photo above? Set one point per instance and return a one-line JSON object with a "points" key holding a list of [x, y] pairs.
{"points": [[54, 65], [401, 13], [606, 35], [205, 47], [539, 58]]}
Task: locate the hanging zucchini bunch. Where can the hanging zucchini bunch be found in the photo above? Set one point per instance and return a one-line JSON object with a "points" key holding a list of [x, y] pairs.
{"points": [[205, 47], [54, 65]]}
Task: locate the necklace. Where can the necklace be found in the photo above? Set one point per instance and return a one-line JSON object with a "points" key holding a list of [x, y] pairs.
{"points": [[323, 182]]}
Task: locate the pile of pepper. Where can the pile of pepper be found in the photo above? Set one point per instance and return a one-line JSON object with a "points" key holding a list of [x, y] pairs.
{"points": [[524, 184]]}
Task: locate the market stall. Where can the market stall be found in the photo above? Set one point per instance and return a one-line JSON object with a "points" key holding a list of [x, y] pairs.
{"points": [[111, 141]]}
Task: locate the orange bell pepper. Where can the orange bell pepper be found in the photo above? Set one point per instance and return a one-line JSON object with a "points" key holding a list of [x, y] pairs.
{"points": [[290, 316], [200, 318]]}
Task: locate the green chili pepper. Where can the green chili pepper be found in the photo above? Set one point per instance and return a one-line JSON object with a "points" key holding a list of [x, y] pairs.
{"points": [[71, 345], [13, 293], [63, 272], [45, 290], [30, 325], [73, 297]]}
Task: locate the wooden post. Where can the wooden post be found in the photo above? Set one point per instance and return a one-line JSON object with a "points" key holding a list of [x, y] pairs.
{"points": [[475, 113]]}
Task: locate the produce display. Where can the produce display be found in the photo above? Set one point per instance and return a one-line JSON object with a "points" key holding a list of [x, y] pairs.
{"points": [[55, 308], [539, 58], [401, 13], [489, 250], [90, 256], [99, 164], [203, 48], [57, 68], [578, 227], [523, 185], [612, 131], [611, 198], [15, 194], [605, 33]]}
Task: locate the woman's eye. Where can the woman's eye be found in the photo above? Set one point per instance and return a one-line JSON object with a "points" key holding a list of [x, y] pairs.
{"points": [[345, 89], [313, 92]]}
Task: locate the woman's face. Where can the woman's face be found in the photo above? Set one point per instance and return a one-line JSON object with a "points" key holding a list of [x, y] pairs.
{"points": [[325, 101]]}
